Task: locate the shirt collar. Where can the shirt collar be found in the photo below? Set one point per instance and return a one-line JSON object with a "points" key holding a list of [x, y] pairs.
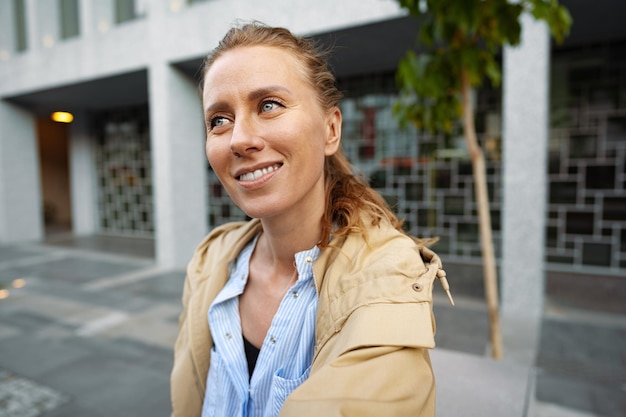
{"points": [[304, 261]]}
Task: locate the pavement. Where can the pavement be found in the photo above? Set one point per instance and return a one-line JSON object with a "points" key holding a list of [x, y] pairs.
{"points": [[87, 327]]}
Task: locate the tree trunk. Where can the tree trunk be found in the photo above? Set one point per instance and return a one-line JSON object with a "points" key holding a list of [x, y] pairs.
{"points": [[484, 216]]}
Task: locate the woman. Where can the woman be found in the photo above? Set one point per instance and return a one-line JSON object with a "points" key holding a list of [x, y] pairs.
{"points": [[320, 305]]}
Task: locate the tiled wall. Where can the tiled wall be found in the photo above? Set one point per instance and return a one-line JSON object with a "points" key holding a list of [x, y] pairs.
{"points": [[587, 159], [221, 207], [124, 173], [429, 180], [426, 178]]}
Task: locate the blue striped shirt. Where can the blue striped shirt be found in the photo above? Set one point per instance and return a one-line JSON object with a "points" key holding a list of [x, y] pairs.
{"points": [[286, 355]]}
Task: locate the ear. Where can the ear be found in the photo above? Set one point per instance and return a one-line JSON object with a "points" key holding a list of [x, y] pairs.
{"points": [[333, 131]]}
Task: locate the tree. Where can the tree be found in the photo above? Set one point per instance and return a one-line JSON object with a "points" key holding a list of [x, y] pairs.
{"points": [[460, 40]]}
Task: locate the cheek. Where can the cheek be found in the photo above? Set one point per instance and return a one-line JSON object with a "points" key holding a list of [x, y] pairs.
{"points": [[215, 155], [212, 148], [309, 135]]}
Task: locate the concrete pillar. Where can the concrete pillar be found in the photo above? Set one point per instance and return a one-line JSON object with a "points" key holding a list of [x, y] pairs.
{"points": [[86, 18], [178, 164], [83, 177], [21, 217], [524, 173], [32, 25]]}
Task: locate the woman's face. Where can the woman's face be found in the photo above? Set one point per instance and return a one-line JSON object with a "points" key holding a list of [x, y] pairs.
{"points": [[267, 134]]}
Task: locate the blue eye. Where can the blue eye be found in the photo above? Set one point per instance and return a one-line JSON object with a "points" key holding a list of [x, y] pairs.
{"points": [[218, 121], [268, 106]]}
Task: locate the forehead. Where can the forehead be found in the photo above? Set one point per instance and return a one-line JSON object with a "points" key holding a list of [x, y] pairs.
{"points": [[245, 66]]}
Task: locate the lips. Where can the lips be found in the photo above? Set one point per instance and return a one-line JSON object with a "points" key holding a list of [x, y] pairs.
{"points": [[258, 173]]}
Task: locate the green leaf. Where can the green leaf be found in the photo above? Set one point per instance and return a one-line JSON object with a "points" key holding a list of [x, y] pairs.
{"points": [[492, 69], [461, 35], [427, 32]]}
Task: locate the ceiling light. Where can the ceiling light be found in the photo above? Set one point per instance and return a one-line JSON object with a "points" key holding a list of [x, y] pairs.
{"points": [[62, 117]]}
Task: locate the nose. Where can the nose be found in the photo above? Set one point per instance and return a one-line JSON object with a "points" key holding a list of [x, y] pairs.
{"points": [[245, 137]]}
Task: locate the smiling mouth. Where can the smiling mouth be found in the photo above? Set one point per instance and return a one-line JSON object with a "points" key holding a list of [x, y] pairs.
{"points": [[255, 175]]}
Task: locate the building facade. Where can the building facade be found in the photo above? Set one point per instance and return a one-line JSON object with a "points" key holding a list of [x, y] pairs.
{"points": [[132, 161]]}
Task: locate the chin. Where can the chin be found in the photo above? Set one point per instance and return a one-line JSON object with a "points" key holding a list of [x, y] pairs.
{"points": [[257, 214], [260, 211]]}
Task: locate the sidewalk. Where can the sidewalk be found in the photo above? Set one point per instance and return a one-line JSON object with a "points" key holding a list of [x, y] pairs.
{"points": [[88, 326]]}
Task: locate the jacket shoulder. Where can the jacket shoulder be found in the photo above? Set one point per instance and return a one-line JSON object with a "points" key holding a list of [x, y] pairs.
{"points": [[388, 268], [223, 242], [384, 255]]}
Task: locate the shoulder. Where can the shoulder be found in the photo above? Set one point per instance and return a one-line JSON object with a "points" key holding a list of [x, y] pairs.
{"points": [[223, 243], [385, 267], [384, 251]]}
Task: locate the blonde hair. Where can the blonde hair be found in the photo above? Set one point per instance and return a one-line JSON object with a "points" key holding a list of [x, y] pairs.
{"points": [[349, 199]]}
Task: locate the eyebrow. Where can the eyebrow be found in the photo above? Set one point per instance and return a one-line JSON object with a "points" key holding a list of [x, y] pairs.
{"points": [[265, 91], [254, 95]]}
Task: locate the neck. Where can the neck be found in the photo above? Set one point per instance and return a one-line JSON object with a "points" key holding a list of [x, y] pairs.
{"points": [[289, 232], [280, 242]]}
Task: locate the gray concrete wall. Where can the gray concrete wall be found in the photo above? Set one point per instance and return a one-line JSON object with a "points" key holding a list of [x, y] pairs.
{"points": [[179, 169], [524, 173], [21, 217], [164, 33], [83, 177]]}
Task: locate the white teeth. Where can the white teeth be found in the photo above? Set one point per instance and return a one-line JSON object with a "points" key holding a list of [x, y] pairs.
{"points": [[255, 175]]}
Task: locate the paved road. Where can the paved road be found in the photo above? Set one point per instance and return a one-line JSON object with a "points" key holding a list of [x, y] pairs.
{"points": [[89, 333]]}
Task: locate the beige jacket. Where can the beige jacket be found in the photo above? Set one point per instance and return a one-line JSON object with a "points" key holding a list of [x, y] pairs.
{"points": [[373, 330]]}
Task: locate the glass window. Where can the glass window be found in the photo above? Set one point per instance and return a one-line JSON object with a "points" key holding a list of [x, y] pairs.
{"points": [[20, 25], [124, 11], [127, 10], [70, 22]]}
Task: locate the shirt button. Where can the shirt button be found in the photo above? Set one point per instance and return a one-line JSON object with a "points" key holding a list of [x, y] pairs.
{"points": [[295, 294], [309, 259], [228, 336], [272, 340]]}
